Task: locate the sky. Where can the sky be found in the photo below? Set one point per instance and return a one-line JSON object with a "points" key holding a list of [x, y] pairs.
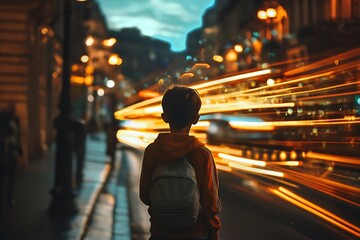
{"points": [[168, 20]]}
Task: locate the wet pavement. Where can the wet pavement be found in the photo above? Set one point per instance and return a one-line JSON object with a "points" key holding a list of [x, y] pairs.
{"points": [[31, 217], [120, 196], [111, 217]]}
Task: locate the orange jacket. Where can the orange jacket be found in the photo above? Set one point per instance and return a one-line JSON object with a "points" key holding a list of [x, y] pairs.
{"points": [[169, 147]]}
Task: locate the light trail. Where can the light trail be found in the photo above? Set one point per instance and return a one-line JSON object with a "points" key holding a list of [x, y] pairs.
{"points": [[334, 158], [330, 96], [306, 101], [271, 94], [125, 112], [329, 62], [236, 106], [242, 160], [301, 79], [269, 126], [286, 163], [256, 170], [231, 79], [332, 188], [316, 210]]}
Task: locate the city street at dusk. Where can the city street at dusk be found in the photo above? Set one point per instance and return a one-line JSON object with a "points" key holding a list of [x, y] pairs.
{"points": [[81, 89]]}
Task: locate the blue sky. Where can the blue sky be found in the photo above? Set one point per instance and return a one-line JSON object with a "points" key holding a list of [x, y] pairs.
{"points": [[169, 20]]}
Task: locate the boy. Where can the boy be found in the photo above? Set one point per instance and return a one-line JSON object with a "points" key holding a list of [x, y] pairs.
{"points": [[181, 107]]}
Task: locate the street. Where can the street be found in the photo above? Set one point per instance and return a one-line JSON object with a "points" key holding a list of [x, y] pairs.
{"points": [[247, 213], [81, 97], [289, 151]]}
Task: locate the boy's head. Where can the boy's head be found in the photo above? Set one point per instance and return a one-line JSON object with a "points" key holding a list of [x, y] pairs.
{"points": [[181, 106]]}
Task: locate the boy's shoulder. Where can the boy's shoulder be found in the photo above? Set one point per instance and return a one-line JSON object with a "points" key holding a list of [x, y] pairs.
{"points": [[205, 150], [149, 147], [203, 153]]}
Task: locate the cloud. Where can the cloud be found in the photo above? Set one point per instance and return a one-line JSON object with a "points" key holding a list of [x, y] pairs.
{"points": [[169, 20], [149, 26]]}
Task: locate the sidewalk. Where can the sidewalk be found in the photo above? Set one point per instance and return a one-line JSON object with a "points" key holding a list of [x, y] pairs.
{"points": [[31, 219], [119, 214]]}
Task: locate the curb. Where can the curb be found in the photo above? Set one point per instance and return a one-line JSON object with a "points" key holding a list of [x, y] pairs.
{"points": [[103, 178]]}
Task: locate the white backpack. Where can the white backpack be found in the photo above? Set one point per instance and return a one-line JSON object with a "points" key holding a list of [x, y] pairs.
{"points": [[174, 196]]}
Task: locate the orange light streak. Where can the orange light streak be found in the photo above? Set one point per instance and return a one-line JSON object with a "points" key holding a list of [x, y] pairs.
{"points": [[271, 94], [242, 160], [223, 168], [231, 79], [291, 81], [325, 62], [334, 158], [329, 96], [228, 107], [272, 125], [286, 163], [326, 186], [316, 210], [209, 89], [121, 114], [256, 170], [259, 126], [135, 109]]}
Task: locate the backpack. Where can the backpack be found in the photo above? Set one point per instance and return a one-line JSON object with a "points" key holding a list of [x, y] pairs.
{"points": [[174, 195]]}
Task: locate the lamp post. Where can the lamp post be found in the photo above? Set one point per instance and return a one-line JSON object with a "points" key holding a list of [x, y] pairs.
{"points": [[63, 190]]}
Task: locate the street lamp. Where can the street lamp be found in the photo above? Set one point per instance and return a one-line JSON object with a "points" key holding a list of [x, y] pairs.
{"points": [[271, 13], [109, 42], [268, 15], [218, 58], [63, 190], [261, 14], [114, 59], [238, 48], [84, 58], [89, 41]]}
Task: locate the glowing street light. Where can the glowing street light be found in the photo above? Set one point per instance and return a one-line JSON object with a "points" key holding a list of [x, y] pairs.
{"points": [[89, 41], [218, 58], [100, 92], [84, 58], [262, 15], [271, 12], [238, 48], [109, 42], [269, 16], [44, 30], [231, 56], [110, 83], [114, 59]]}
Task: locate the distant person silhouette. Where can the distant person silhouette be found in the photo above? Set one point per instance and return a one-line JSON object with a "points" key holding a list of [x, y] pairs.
{"points": [[11, 149]]}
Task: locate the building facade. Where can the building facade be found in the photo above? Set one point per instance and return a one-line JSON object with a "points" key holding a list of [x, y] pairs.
{"points": [[31, 63], [30, 67], [296, 28]]}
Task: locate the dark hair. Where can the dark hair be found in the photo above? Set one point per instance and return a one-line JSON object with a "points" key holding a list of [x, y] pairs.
{"points": [[181, 106]]}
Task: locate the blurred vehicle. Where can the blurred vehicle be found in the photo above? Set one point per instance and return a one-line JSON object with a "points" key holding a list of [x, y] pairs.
{"points": [[222, 130]]}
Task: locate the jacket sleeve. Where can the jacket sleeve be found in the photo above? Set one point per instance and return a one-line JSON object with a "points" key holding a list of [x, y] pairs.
{"points": [[145, 180], [210, 193]]}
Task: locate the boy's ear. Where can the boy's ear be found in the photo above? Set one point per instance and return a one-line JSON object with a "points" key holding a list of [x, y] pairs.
{"points": [[164, 118], [196, 119]]}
